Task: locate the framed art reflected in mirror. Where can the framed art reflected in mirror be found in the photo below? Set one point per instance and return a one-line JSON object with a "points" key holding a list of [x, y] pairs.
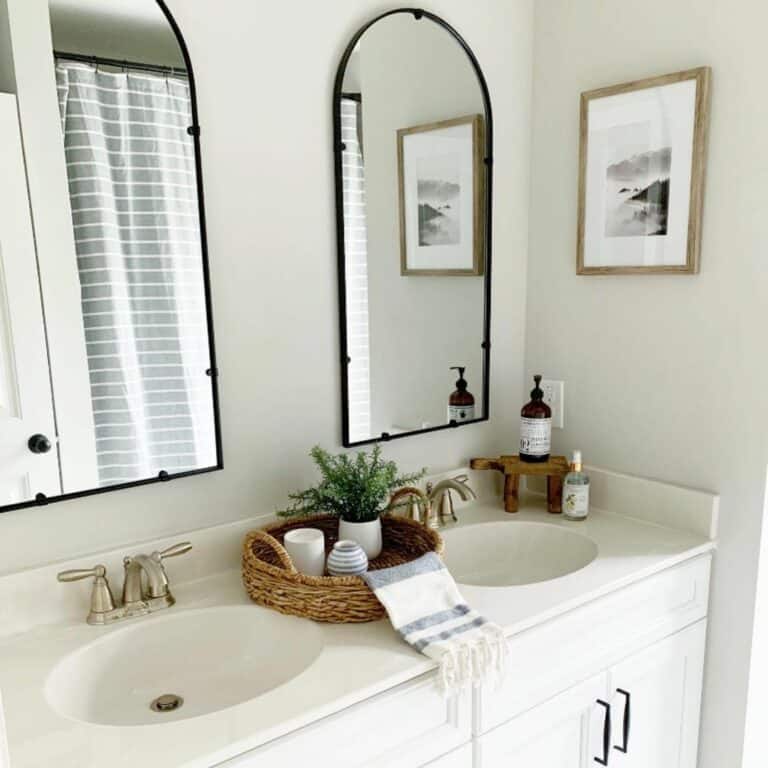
{"points": [[440, 175]]}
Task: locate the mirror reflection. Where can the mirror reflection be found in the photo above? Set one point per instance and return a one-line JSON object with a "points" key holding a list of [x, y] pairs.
{"points": [[124, 331], [413, 128]]}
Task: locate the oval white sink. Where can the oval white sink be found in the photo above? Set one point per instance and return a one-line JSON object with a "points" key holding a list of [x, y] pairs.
{"points": [[515, 552], [212, 658]]}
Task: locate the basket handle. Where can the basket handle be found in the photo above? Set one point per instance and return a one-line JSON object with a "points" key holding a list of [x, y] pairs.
{"points": [[279, 549]]}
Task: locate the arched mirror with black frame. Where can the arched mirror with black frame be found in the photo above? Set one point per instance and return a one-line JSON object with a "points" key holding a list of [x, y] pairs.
{"points": [[413, 150], [107, 367]]}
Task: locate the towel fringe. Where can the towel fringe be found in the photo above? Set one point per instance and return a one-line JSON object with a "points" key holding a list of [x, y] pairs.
{"points": [[481, 660]]}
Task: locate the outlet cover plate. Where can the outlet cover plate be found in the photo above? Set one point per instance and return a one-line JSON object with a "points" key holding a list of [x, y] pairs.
{"points": [[554, 397]]}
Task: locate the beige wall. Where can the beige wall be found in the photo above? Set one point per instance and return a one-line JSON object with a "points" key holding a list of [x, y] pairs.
{"points": [[268, 170], [413, 73], [665, 375]]}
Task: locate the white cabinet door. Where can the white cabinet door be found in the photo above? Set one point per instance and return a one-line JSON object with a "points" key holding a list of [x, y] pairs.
{"points": [[655, 698], [459, 758], [568, 731], [26, 402]]}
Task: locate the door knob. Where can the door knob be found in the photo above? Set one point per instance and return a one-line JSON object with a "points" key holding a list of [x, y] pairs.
{"points": [[39, 444]]}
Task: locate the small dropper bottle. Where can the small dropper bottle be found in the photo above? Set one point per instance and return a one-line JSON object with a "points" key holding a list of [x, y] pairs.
{"points": [[576, 491]]}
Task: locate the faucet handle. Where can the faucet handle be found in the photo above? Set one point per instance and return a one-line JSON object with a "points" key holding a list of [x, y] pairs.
{"points": [[98, 571], [102, 601], [177, 549]]}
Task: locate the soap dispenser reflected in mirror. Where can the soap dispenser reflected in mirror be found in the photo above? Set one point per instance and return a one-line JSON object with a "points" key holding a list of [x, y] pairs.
{"points": [[461, 403]]}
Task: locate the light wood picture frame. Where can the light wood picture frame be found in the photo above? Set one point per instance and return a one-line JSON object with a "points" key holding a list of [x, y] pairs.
{"points": [[642, 160], [441, 198]]}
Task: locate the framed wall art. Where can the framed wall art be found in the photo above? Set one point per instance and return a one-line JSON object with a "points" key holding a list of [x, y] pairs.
{"points": [[641, 175], [441, 198]]}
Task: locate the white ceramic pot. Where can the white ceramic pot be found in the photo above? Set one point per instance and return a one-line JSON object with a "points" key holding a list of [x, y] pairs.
{"points": [[367, 535]]}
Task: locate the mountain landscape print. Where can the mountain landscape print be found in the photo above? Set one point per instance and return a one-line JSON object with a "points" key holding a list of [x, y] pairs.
{"points": [[637, 194], [439, 199]]}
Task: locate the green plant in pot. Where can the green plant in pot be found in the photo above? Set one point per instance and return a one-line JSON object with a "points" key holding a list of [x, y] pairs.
{"points": [[354, 487]]}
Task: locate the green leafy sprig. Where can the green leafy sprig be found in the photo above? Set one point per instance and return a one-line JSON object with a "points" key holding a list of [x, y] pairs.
{"points": [[354, 487]]}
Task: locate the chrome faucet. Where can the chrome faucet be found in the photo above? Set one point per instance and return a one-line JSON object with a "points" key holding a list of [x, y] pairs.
{"points": [[145, 586], [433, 509]]}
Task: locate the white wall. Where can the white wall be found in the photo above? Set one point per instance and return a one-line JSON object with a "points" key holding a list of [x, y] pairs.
{"points": [[269, 187], [665, 375], [115, 29], [413, 73]]}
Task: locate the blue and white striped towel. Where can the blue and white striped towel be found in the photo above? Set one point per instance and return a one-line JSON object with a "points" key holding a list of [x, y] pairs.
{"points": [[427, 609]]}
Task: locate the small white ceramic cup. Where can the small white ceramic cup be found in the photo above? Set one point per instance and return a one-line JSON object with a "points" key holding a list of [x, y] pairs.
{"points": [[306, 546]]}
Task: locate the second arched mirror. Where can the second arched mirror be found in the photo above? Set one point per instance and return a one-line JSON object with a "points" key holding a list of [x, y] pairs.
{"points": [[413, 153]]}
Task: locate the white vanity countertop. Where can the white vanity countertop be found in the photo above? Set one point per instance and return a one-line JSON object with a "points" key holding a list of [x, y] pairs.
{"points": [[357, 661]]}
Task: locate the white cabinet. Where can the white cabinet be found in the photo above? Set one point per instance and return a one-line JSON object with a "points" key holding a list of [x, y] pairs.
{"points": [[459, 758], [647, 704], [406, 727], [625, 670], [555, 655], [564, 732], [662, 688]]}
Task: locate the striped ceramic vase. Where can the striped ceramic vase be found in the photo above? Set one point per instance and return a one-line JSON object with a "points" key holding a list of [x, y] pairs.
{"points": [[347, 559]]}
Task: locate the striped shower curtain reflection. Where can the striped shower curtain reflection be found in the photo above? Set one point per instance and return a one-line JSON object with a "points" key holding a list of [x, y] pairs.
{"points": [[133, 192], [356, 252]]}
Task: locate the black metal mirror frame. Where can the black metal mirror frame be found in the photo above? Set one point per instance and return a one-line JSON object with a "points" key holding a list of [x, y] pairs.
{"points": [[163, 476], [419, 15]]}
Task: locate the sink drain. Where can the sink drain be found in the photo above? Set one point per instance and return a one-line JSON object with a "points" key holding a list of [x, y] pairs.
{"points": [[168, 702]]}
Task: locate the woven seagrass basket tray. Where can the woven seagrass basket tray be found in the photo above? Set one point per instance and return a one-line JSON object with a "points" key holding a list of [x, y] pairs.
{"points": [[271, 579]]}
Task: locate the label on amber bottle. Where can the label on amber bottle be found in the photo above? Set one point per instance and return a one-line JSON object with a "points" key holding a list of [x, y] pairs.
{"points": [[461, 412], [535, 436]]}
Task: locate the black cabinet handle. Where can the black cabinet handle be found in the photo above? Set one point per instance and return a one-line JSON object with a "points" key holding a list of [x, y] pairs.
{"points": [[606, 733], [627, 720], [39, 444]]}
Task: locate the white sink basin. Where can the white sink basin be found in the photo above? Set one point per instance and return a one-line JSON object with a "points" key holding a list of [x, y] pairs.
{"points": [[515, 552], [212, 658]]}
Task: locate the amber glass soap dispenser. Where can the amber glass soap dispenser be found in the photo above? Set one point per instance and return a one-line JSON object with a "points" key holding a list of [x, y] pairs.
{"points": [[536, 427], [461, 404]]}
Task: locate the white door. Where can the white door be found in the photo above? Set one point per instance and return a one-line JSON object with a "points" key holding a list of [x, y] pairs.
{"points": [[26, 404], [656, 697], [568, 731]]}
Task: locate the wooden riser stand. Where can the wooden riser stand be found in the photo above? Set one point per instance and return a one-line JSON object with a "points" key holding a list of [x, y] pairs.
{"points": [[512, 467]]}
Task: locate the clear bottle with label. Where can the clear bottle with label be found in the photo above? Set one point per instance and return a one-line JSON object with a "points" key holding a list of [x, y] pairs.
{"points": [[576, 491], [461, 403], [536, 427]]}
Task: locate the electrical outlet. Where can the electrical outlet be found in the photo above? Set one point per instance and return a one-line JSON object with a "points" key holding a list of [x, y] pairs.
{"points": [[554, 397]]}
